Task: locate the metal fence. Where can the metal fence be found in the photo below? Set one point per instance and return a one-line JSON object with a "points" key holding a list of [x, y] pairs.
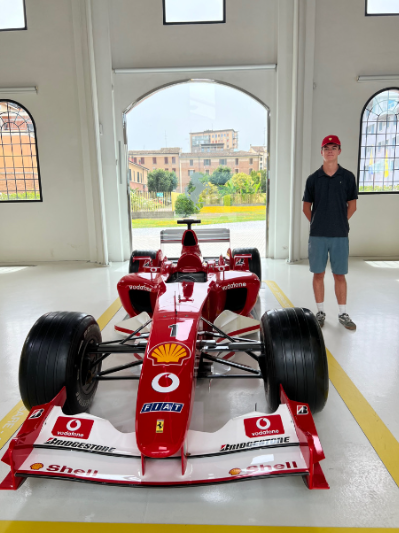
{"points": [[235, 199], [144, 201]]}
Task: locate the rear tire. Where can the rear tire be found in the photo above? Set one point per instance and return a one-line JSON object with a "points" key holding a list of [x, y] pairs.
{"points": [[55, 355], [134, 265], [254, 263], [295, 357]]}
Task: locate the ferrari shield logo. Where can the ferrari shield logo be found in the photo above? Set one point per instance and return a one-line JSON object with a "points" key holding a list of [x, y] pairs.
{"points": [[169, 352], [159, 427]]}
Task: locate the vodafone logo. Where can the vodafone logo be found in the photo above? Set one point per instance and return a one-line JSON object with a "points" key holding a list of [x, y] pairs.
{"points": [[263, 426], [74, 425], [77, 428], [165, 382], [263, 423]]}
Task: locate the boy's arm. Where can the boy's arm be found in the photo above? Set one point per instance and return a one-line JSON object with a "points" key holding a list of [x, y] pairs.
{"points": [[307, 209], [351, 208]]}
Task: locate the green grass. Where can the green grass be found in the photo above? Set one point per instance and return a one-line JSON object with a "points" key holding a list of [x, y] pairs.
{"points": [[205, 219]]}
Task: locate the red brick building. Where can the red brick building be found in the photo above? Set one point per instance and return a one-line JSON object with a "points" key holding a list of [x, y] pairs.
{"points": [[165, 158], [138, 175]]}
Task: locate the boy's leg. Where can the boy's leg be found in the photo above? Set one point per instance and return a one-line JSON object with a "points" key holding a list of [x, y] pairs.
{"points": [[339, 254], [318, 256], [340, 288], [318, 287]]}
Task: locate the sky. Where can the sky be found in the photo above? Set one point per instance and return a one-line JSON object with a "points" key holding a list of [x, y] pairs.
{"points": [[166, 118]]}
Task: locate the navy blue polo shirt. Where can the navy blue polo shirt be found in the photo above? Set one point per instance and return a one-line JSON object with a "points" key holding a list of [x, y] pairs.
{"points": [[329, 196]]}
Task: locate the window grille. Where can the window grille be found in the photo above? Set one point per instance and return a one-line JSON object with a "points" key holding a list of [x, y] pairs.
{"points": [[19, 166], [207, 162], [194, 11], [12, 15], [382, 7], [378, 170]]}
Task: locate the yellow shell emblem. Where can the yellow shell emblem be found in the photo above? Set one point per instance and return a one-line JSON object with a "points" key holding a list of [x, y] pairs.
{"points": [[169, 353]]}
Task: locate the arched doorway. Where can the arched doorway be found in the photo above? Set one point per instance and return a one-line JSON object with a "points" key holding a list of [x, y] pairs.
{"points": [[193, 129]]}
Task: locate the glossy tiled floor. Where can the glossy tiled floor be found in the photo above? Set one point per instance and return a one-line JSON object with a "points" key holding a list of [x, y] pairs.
{"points": [[362, 491]]}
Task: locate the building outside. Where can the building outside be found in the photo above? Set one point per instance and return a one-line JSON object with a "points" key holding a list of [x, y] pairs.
{"points": [[262, 151], [138, 176], [207, 163], [165, 158], [214, 140]]}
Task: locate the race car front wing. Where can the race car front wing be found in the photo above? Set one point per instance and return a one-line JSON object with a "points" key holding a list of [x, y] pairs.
{"points": [[85, 448]]}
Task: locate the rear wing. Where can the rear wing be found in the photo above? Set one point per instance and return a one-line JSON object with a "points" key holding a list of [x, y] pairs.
{"points": [[211, 235]]}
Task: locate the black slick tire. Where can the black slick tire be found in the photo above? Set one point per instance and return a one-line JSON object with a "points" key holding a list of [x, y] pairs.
{"points": [[55, 354], [134, 265], [254, 263], [295, 357]]}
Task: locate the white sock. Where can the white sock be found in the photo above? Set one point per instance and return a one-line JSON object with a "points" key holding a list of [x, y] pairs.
{"points": [[320, 306], [342, 309]]}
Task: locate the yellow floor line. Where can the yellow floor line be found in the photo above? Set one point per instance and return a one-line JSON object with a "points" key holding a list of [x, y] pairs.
{"points": [[14, 419], [95, 527], [381, 439]]}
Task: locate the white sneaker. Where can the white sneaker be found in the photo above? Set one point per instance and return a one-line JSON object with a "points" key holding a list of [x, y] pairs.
{"points": [[321, 317], [346, 321]]}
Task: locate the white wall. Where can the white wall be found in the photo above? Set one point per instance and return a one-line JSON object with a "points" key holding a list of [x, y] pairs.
{"points": [[44, 55], [69, 52], [348, 44]]}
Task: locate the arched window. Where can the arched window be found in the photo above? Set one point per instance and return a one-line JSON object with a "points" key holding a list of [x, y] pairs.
{"points": [[379, 144], [19, 168]]}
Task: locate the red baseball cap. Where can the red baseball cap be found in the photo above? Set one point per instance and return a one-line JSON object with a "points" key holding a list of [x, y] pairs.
{"points": [[331, 139]]}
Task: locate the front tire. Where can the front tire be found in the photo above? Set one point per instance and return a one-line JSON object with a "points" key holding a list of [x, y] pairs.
{"points": [[55, 354], [294, 356], [134, 265], [254, 263]]}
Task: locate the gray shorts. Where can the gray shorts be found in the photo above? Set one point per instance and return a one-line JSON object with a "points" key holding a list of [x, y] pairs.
{"points": [[320, 247]]}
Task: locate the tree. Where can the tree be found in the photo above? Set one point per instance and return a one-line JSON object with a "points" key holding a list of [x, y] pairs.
{"points": [[161, 181], [260, 176], [244, 183], [220, 176], [185, 206]]}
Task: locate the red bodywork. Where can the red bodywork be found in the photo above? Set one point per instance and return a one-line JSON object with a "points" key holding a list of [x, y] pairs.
{"points": [[171, 359]]}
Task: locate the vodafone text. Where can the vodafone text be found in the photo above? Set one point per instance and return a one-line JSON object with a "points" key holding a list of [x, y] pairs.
{"points": [[254, 444], [234, 286], [139, 288]]}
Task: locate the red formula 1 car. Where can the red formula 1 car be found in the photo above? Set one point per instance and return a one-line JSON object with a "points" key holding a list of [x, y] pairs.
{"points": [[185, 319]]}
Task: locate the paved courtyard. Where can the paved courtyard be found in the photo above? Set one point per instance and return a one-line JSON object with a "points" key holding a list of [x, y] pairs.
{"points": [[242, 235]]}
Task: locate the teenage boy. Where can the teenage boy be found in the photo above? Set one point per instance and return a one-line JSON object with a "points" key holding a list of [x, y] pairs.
{"points": [[329, 202]]}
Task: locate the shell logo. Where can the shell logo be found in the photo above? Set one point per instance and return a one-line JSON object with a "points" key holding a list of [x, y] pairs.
{"points": [[36, 466], [235, 471], [169, 352]]}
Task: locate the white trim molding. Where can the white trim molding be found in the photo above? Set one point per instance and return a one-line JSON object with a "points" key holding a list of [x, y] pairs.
{"points": [[379, 77], [15, 90], [160, 70]]}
